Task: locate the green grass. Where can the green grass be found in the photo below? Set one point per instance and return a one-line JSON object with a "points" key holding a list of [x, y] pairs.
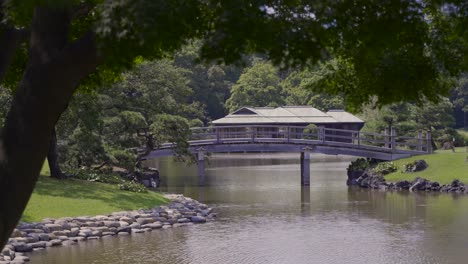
{"points": [[444, 167], [58, 198]]}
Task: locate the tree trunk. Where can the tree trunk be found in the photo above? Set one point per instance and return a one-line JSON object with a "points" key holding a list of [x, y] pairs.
{"points": [[54, 70], [52, 158]]}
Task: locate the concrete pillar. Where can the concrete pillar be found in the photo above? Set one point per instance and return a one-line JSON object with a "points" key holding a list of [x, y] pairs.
{"points": [[201, 167], [305, 168]]}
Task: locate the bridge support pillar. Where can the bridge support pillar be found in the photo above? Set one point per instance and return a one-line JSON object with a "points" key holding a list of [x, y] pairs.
{"points": [[201, 167], [305, 168]]}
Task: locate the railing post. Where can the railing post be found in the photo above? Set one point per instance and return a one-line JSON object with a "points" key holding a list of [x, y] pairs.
{"points": [[217, 135], [253, 134], [322, 134], [393, 137], [359, 138], [387, 138], [429, 141], [289, 134], [420, 140]]}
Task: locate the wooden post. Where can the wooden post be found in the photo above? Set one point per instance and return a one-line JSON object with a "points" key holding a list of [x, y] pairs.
{"points": [[420, 140], [322, 134], [393, 137], [359, 138], [429, 141], [252, 130], [289, 134], [305, 167], [201, 166], [217, 135], [387, 138]]}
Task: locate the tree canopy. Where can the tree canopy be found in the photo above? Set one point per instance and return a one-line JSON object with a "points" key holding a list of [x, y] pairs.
{"points": [[398, 50]]}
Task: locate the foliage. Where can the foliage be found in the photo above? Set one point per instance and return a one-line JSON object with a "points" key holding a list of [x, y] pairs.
{"points": [[133, 187], [459, 99], [304, 88], [95, 176], [359, 164], [385, 168], [172, 129], [257, 86]]}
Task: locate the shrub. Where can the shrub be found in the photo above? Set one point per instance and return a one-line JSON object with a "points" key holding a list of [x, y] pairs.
{"points": [[133, 187], [359, 165], [89, 175], [385, 168]]}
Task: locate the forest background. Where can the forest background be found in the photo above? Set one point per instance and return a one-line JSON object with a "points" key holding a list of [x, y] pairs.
{"points": [[169, 96]]}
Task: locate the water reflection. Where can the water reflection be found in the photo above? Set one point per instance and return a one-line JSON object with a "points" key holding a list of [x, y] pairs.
{"points": [[265, 216]]}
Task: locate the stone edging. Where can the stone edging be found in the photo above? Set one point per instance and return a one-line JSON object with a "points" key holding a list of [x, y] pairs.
{"points": [[29, 237], [367, 179]]}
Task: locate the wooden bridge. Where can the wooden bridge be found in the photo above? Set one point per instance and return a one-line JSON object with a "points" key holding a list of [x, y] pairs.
{"points": [[261, 138]]}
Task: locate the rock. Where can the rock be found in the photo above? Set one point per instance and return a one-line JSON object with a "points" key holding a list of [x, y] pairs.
{"points": [[183, 220], [353, 176], [403, 185], [138, 231], [53, 227], [144, 220], [418, 165], [93, 237], [77, 239], [135, 226], [126, 229], [22, 247], [153, 225], [55, 242], [44, 237], [198, 219], [127, 219], [40, 244], [69, 243], [111, 224], [123, 233], [18, 233], [22, 258]]}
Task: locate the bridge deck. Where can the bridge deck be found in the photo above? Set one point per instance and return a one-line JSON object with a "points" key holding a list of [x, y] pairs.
{"points": [[386, 146]]}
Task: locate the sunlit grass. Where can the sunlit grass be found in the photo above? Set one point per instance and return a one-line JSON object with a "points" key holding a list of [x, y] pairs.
{"points": [[444, 167], [58, 198]]}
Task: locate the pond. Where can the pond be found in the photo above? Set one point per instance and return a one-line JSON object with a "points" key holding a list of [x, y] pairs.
{"points": [[265, 216]]}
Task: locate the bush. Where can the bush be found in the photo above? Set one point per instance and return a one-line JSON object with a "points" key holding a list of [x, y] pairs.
{"points": [[360, 164], [133, 187], [385, 168], [88, 175]]}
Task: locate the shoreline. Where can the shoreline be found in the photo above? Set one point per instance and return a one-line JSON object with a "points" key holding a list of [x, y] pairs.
{"points": [[368, 180], [29, 237]]}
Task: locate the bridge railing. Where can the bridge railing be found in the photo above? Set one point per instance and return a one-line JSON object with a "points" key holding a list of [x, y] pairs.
{"points": [[315, 135]]}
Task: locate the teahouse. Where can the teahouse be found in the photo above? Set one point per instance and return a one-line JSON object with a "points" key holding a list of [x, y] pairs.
{"points": [[280, 119]]}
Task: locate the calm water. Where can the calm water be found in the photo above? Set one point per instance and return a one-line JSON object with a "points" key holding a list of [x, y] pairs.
{"points": [[266, 217]]}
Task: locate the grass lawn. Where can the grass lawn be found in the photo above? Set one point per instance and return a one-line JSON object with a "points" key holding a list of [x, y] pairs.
{"points": [[444, 167], [58, 198]]}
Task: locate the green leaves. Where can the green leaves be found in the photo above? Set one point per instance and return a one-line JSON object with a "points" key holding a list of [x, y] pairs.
{"points": [[257, 86]]}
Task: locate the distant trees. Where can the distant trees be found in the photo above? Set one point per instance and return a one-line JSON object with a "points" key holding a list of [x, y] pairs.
{"points": [[259, 85]]}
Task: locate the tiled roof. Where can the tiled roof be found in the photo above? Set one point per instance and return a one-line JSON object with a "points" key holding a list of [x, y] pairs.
{"points": [[286, 114]]}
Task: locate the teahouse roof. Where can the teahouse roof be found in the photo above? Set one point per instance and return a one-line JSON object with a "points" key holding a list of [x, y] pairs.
{"points": [[286, 114]]}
